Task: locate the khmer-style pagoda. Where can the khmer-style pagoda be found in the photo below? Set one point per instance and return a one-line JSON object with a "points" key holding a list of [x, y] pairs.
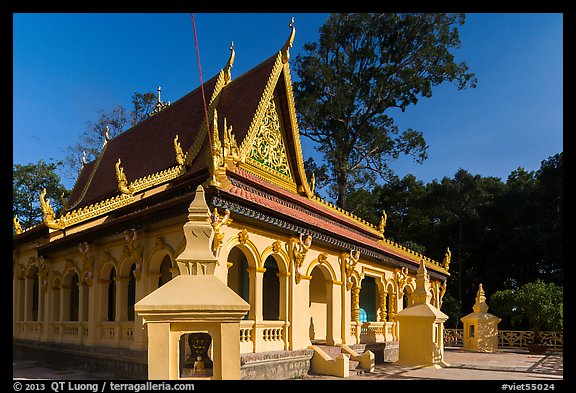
{"points": [[312, 273]]}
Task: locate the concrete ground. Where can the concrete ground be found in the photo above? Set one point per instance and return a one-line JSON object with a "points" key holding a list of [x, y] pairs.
{"points": [[467, 365], [463, 365]]}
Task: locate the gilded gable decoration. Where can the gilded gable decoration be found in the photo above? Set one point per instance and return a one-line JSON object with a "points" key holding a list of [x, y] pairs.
{"points": [[179, 152], [123, 185], [216, 165], [232, 154], [49, 216], [269, 150], [17, 226]]}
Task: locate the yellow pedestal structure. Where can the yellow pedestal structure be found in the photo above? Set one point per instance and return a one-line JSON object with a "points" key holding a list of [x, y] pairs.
{"points": [[421, 327], [480, 327], [194, 320]]}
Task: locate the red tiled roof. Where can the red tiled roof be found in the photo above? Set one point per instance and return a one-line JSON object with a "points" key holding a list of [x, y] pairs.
{"points": [[311, 220], [303, 201]]}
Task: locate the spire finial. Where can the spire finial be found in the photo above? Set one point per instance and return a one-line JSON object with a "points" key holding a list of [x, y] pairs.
{"points": [[289, 42], [83, 158], [159, 90], [227, 73]]}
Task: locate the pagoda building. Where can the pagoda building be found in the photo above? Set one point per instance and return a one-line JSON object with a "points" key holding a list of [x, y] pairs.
{"points": [[311, 272]]}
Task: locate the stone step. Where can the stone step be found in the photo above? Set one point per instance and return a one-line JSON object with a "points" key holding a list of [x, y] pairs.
{"points": [[335, 351]]}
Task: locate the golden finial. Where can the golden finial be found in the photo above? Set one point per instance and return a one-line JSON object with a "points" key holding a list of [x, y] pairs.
{"points": [[106, 136], [447, 258], [49, 215], [179, 152], [123, 186], [382, 224], [159, 105], [288, 44], [312, 183], [17, 225], [227, 73]]}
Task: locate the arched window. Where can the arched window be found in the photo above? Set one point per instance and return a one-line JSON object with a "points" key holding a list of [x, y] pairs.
{"points": [[35, 294], [112, 296], [74, 298], [368, 294], [56, 301], [271, 291], [238, 278], [165, 273], [131, 293]]}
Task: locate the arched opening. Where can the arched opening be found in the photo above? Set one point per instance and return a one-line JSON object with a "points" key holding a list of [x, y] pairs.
{"points": [[21, 282], [32, 289], [85, 300], [407, 297], [238, 277], [165, 273], [56, 301], [271, 290], [73, 298], [131, 293], [111, 292], [368, 295], [320, 305]]}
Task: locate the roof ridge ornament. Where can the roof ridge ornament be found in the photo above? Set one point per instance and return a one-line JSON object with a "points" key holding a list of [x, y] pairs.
{"points": [[106, 136], [159, 105], [123, 185], [17, 226], [229, 64], [288, 44]]}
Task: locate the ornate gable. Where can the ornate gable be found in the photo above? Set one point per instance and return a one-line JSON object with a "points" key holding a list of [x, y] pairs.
{"points": [[268, 151]]}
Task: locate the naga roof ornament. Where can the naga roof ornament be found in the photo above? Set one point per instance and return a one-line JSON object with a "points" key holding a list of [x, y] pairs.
{"points": [[229, 64], [288, 44]]}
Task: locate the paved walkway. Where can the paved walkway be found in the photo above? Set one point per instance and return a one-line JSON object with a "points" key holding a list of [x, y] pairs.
{"points": [[467, 365], [463, 365]]}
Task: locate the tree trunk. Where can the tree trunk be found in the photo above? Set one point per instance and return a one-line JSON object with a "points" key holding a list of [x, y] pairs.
{"points": [[342, 185]]}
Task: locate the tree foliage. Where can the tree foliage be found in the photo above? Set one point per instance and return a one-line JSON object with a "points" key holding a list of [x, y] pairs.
{"points": [[537, 305], [27, 183], [501, 234], [364, 66]]}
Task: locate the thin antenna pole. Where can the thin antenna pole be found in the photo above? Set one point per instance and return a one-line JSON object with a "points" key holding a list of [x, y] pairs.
{"points": [[201, 82]]}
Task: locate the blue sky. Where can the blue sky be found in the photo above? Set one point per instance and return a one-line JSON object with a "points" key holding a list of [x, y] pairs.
{"points": [[67, 67]]}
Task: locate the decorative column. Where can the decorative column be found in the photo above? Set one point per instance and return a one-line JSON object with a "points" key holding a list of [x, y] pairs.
{"points": [[480, 327], [197, 307], [421, 341], [356, 310]]}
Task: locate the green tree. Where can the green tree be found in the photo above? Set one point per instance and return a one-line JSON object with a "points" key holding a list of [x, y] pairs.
{"points": [[363, 67], [536, 305], [91, 141], [27, 183]]}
